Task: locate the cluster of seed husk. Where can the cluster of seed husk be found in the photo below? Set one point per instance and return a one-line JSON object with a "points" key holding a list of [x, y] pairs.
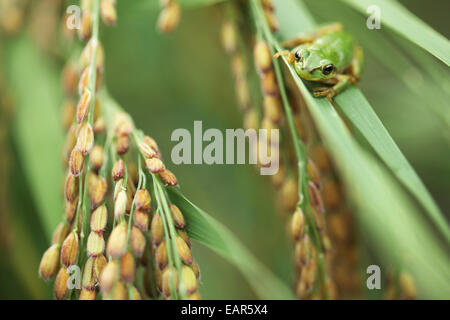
{"points": [[163, 272], [400, 285], [50, 263], [95, 246], [143, 212], [239, 66], [79, 143], [170, 15], [153, 161], [272, 110], [307, 225], [285, 180], [97, 182], [65, 249], [42, 23], [306, 241], [344, 257], [338, 237], [12, 13], [306, 249], [272, 117], [125, 245], [269, 8], [127, 241], [85, 30], [108, 12], [95, 250]]}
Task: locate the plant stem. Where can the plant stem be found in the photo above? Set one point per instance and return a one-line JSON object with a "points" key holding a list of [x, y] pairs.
{"points": [[91, 87], [163, 207], [299, 147], [130, 218], [170, 249]]}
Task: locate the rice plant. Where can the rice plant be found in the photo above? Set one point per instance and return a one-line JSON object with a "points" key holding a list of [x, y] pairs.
{"points": [[358, 207]]}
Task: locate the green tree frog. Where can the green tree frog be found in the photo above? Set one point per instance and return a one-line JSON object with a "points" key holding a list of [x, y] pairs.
{"points": [[328, 55]]}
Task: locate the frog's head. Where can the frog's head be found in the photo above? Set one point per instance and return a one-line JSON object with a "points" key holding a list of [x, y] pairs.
{"points": [[312, 66]]}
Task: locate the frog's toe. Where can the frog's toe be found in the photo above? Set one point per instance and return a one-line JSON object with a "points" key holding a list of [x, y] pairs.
{"points": [[322, 91], [329, 93]]}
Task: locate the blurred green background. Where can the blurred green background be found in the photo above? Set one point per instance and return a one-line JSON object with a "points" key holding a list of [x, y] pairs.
{"points": [[167, 82]]}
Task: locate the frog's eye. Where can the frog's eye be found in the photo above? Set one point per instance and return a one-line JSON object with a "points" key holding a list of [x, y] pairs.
{"points": [[298, 55], [326, 70]]}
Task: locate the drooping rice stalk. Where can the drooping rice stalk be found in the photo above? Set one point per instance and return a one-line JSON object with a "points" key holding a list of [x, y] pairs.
{"points": [[101, 136]]}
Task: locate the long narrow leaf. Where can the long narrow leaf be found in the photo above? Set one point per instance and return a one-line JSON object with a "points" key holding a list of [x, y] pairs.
{"points": [[199, 3], [390, 220], [410, 65], [185, 4], [358, 110], [38, 133], [402, 21], [218, 238]]}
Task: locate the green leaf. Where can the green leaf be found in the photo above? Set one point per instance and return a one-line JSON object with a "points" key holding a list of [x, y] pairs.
{"points": [[388, 217], [409, 63], [198, 3], [218, 238], [402, 21], [37, 129], [24, 259], [358, 110], [185, 4]]}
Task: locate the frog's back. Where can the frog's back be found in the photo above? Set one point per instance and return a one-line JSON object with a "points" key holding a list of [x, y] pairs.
{"points": [[337, 47]]}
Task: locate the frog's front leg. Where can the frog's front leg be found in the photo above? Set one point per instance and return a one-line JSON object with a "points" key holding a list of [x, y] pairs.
{"points": [[290, 57], [311, 36], [342, 81]]}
